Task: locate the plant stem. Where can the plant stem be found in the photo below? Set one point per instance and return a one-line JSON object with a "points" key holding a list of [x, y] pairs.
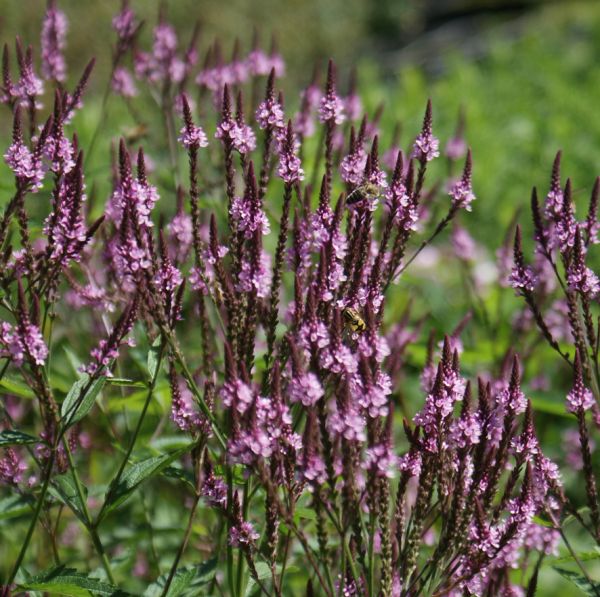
{"points": [[36, 515], [90, 527], [182, 546], [114, 483]]}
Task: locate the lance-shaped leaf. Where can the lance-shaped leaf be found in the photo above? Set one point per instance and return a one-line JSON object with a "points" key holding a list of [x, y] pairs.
{"points": [[136, 475], [10, 437], [67, 581], [16, 505], [186, 580], [81, 399]]}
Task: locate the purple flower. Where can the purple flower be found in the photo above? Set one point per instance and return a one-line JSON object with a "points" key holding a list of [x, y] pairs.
{"points": [[461, 191], [411, 463], [248, 216], [513, 398], [237, 394], [270, 115], [180, 235], [12, 468], [521, 278], [331, 107], [289, 164], [579, 277], [347, 422], [456, 148], [162, 64], [381, 460], [426, 146], [22, 341], [572, 448], [29, 84], [184, 412], [65, 226], [124, 24], [122, 83], [27, 167], [243, 535], [353, 106], [214, 489], [256, 279], [54, 29], [259, 63], [352, 166], [579, 398], [305, 388], [108, 349], [463, 244], [554, 200], [193, 137]]}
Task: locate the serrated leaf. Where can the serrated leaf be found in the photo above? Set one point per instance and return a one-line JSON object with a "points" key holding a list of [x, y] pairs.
{"points": [[263, 570], [63, 487], [75, 406], [15, 505], [9, 437], [138, 474], [589, 588], [184, 579], [154, 357], [180, 474], [67, 581]]}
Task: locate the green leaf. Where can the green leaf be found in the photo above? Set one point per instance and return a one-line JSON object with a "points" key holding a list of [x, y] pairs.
{"points": [[589, 588], [551, 407], [9, 437], [73, 359], [16, 387], [154, 357], [582, 556], [184, 579], [15, 505], [180, 474], [127, 383], [67, 581], [263, 570], [136, 475], [64, 488], [74, 407]]}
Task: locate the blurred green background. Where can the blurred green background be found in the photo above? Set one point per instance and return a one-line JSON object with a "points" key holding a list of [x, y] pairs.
{"points": [[526, 75]]}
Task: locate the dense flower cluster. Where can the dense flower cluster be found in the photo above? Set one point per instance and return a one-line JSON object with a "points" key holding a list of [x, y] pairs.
{"points": [[252, 325]]}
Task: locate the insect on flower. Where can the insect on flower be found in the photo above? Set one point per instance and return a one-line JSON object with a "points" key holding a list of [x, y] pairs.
{"points": [[369, 191], [354, 320]]}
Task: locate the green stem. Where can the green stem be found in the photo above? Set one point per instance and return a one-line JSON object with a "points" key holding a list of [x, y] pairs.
{"points": [[182, 546], [372, 555], [90, 527], [193, 387], [36, 515], [115, 482]]}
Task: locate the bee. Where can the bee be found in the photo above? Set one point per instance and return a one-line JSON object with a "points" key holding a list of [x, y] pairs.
{"points": [[136, 133], [217, 293], [354, 320], [367, 191]]}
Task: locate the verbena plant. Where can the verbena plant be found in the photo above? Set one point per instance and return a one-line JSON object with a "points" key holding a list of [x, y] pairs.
{"points": [[254, 304]]}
